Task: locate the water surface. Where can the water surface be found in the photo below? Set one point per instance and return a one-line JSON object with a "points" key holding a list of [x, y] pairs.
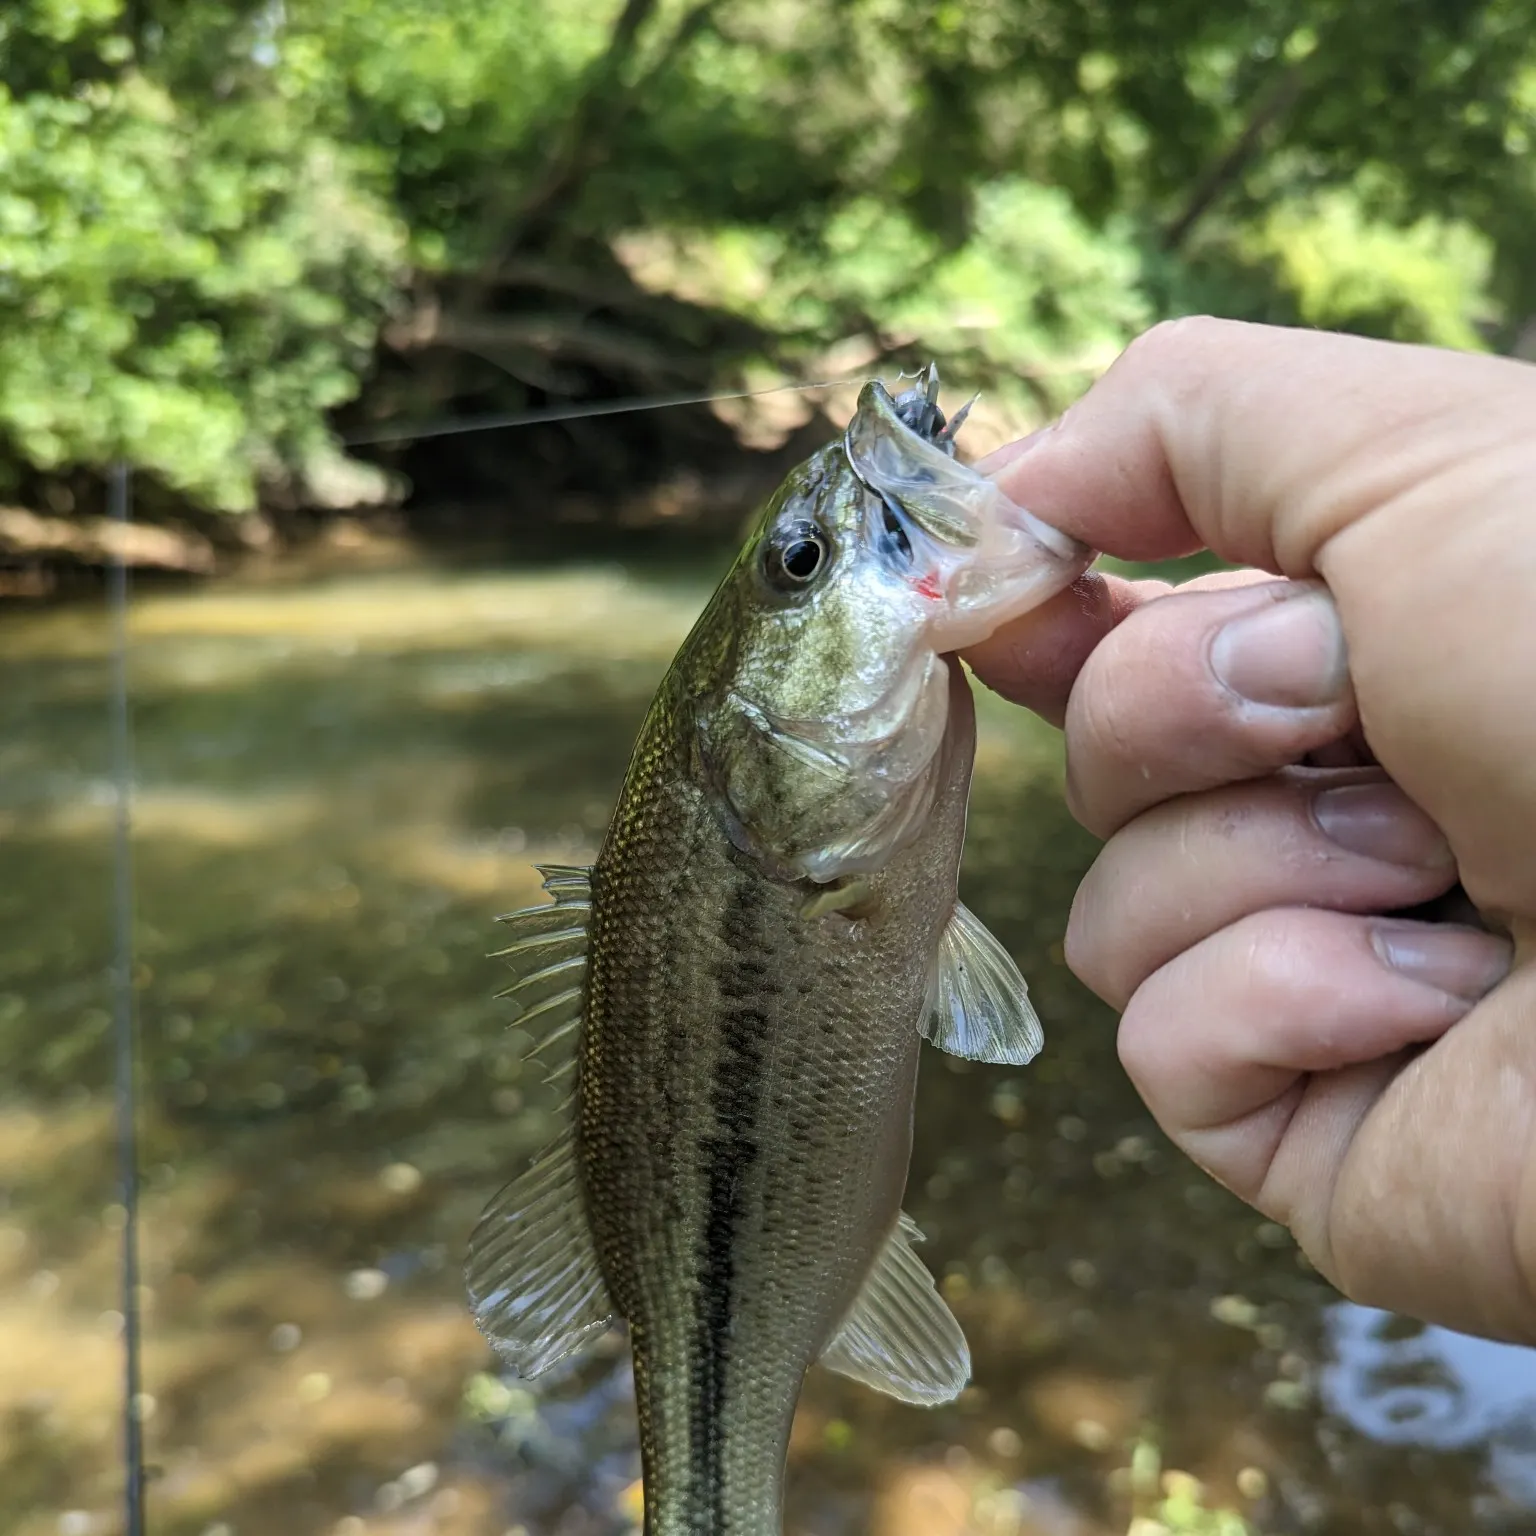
{"points": [[340, 782]]}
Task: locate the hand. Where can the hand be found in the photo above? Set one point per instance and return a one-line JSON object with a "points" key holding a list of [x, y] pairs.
{"points": [[1368, 1080]]}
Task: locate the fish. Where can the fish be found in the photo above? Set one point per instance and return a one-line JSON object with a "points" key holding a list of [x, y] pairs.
{"points": [[736, 991]]}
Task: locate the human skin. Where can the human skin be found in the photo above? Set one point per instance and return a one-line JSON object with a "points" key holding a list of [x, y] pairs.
{"points": [[1367, 1080]]}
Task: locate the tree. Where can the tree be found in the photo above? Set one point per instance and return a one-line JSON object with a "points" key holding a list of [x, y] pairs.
{"points": [[190, 281], [220, 222]]}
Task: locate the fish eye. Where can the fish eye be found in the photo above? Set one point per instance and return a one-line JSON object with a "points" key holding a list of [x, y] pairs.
{"points": [[796, 555], [894, 540]]}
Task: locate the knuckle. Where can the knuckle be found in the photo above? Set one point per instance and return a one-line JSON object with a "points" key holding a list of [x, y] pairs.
{"points": [[1170, 363], [1140, 1045], [1175, 338], [1089, 957], [1268, 954], [1101, 740]]}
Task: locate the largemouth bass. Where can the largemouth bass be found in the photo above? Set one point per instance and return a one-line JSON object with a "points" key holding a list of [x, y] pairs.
{"points": [[738, 987]]}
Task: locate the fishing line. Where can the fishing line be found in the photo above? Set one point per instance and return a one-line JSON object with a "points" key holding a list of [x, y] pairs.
{"points": [[123, 1030], [450, 427]]}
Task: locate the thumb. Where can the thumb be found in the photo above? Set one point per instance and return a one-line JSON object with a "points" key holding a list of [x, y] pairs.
{"points": [[1261, 442]]}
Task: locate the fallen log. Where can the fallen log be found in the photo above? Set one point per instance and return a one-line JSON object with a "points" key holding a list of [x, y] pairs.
{"points": [[100, 541]]}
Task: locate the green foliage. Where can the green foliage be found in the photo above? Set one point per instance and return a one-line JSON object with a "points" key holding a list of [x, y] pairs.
{"points": [[209, 208], [1425, 283], [190, 288], [463, 98], [1035, 298], [1035, 287]]}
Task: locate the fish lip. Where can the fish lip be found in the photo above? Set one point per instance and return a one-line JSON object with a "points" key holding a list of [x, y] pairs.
{"points": [[923, 458], [877, 392], [1057, 541], [876, 399], [881, 500]]}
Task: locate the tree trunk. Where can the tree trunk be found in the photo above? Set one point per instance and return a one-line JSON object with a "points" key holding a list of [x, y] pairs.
{"points": [[1284, 92]]}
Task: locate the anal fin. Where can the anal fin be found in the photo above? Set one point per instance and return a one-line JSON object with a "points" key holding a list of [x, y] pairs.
{"points": [[900, 1338], [978, 1003]]}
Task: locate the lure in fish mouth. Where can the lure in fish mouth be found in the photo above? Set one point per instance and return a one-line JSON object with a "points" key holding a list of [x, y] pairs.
{"points": [[737, 989]]}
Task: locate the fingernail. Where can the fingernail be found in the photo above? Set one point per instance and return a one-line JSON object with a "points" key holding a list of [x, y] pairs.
{"points": [[1460, 961], [1290, 652], [1381, 822]]}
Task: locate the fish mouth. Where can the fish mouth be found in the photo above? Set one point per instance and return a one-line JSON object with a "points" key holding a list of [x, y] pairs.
{"points": [[902, 449], [949, 531], [918, 410]]}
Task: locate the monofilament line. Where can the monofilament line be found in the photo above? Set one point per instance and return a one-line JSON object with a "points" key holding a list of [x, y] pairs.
{"points": [[450, 428], [123, 1012]]}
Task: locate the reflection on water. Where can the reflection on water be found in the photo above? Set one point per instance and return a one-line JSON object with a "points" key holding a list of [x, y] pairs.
{"points": [[1405, 1384], [341, 782]]}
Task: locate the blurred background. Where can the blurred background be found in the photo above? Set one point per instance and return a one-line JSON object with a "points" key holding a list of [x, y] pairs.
{"points": [[276, 257]]}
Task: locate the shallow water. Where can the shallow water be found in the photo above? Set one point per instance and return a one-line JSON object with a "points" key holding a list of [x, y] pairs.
{"points": [[340, 782]]}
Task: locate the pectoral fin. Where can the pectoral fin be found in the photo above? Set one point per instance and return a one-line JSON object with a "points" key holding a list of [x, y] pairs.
{"points": [[900, 1338], [532, 1271], [978, 1003]]}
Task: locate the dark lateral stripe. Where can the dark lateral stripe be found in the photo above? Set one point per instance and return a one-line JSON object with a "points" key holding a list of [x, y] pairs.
{"points": [[728, 1151]]}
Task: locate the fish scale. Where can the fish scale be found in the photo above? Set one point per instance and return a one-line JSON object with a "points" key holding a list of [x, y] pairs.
{"points": [[771, 927]]}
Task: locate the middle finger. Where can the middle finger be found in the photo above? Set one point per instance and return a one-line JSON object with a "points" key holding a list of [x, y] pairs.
{"points": [[1344, 839]]}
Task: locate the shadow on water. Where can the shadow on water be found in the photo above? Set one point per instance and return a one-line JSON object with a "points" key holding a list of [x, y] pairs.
{"points": [[339, 784]]}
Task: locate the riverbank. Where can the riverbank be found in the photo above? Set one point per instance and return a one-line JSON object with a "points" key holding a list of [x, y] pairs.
{"points": [[473, 501]]}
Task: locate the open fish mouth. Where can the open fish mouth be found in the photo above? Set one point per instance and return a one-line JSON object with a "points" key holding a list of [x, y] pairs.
{"points": [[918, 409], [903, 449], [959, 540]]}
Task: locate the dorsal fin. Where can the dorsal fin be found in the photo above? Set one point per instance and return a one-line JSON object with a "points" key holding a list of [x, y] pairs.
{"points": [[900, 1337], [548, 954], [532, 1271], [978, 1003]]}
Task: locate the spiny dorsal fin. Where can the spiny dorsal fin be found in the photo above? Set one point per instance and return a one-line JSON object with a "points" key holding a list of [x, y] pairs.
{"points": [[978, 1003], [900, 1338], [548, 954], [532, 1271], [567, 883]]}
